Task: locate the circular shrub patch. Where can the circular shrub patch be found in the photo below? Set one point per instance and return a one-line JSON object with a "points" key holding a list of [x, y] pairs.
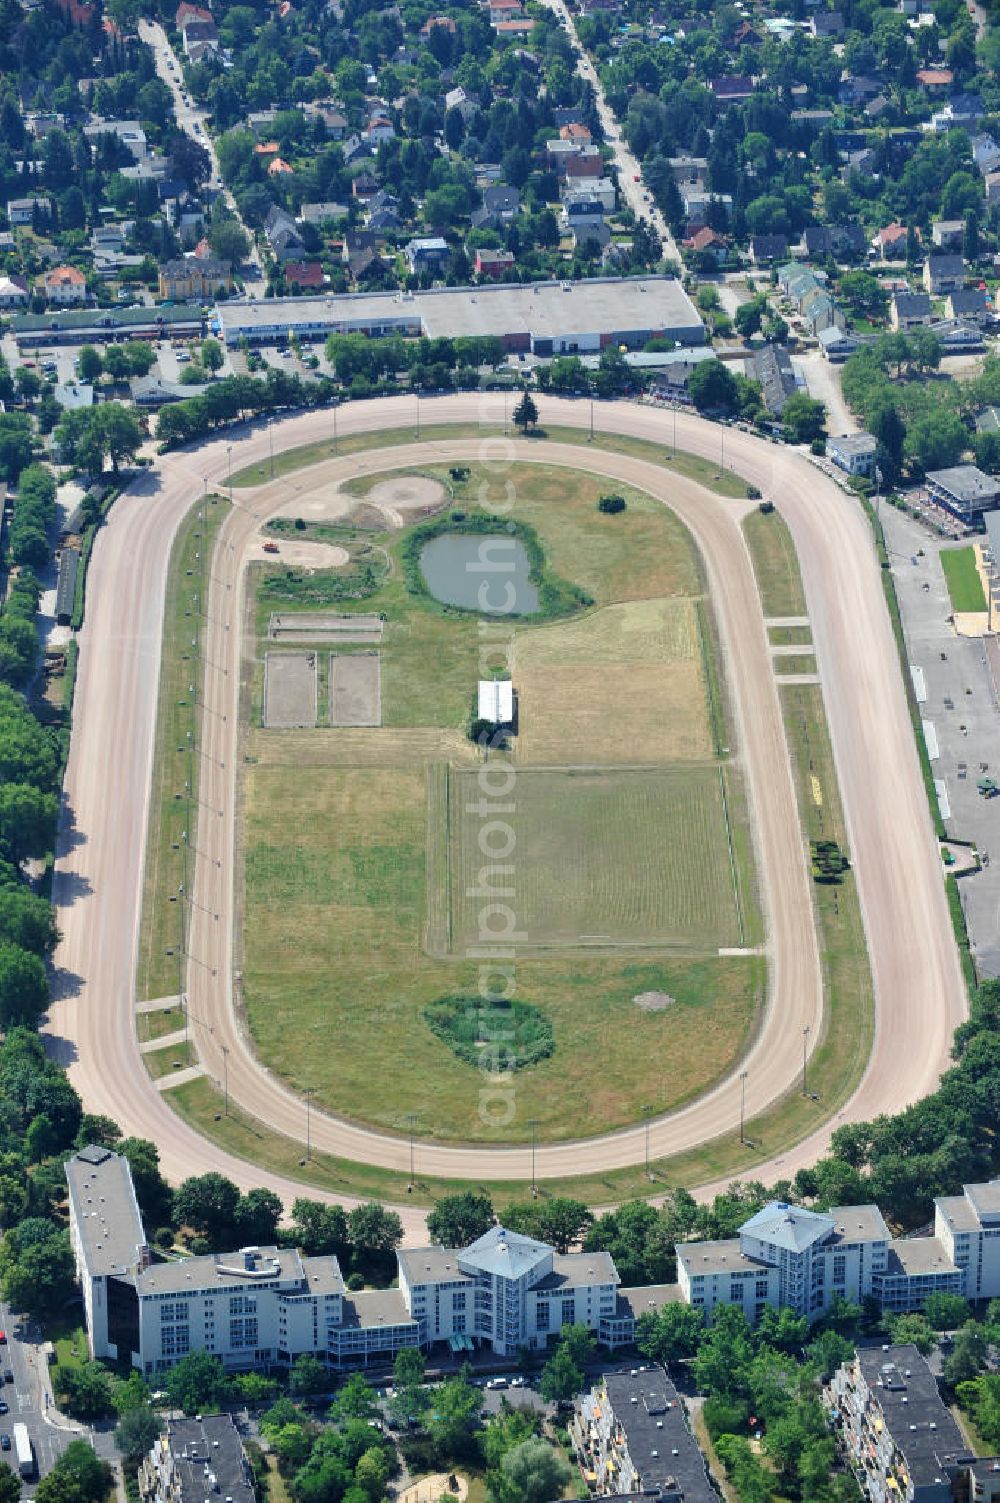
{"points": [[495, 1036]]}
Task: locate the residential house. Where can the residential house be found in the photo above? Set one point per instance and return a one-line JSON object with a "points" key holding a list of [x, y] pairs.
{"points": [[332, 116], [970, 305], [772, 368], [192, 277], [199, 38], [731, 89], [708, 242], [948, 234], [858, 89], [282, 235], [935, 81], [64, 285], [491, 264], [819, 311], [944, 273], [501, 205], [379, 128], [903, 1444], [129, 132], [766, 249], [826, 23], [261, 124], [13, 292], [891, 242], [986, 153], [307, 275], [854, 453], [837, 345], [187, 12], [689, 172], [23, 210], [319, 212], [991, 181], [353, 148], [585, 165], [599, 189], [426, 253], [591, 234], [957, 336], [910, 309], [633, 1438], [841, 241], [279, 168], [575, 131], [364, 186]]}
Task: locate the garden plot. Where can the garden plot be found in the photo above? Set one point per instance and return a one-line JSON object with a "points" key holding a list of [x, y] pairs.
{"points": [[356, 689], [290, 689]]}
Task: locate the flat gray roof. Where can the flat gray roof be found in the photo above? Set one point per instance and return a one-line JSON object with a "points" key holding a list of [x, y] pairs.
{"points": [[543, 309], [431, 1265], [209, 1444], [859, 1224], [663, 1450], [914, 1256], [267, 1266], [854, 443], [965, 482], [647, 1299], [375, 1307], [984, 1198], [104, 1209], [716, 1257], [580, 1270], [957, 1212]]}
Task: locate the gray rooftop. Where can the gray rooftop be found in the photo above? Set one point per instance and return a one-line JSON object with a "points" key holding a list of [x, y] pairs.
{"points": [[855, 443], [923, 1429], [914, 1257], [205, 1448], [955, 1209], [104, 1209], [662, 1448], [506, 1254], [544, 309], [249, 1268], [859, 1223], [647, 1299], [787, 1226], [430, 1265], [580, 1271], [375, 1307], [716, 1257], [966, 483], [985, 1199]]}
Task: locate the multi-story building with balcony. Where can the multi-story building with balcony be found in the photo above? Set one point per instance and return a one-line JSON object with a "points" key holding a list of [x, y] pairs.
{"points": [[903, 1444], [632, 1437]]}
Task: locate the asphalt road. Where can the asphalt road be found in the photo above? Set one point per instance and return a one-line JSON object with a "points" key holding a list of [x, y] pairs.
{"points": [[100, 860]]}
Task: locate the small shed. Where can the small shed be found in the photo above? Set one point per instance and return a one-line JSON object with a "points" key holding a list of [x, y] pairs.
{"points": [[496, 701], [69, 563]]}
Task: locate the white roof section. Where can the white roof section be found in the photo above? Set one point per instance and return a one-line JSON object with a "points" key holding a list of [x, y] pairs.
{"points": [[788, 1226], [496, 700], [506, 1254], [105, 1212]]}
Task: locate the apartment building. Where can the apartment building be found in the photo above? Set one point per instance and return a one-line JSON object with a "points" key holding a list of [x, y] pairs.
{"points": [[506, 1290], [632, 1437], [108, 1242], [788, 1256], [197, 1461], [968, 1228], [903, 1444]]}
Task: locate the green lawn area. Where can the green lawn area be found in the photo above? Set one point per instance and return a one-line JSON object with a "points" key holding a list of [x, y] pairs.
{"points": [[786, 663], [160, 1062], [155, 1025], [964, 584], [775, 564]]}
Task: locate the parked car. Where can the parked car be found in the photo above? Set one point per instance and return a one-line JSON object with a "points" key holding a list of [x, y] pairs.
{"points": [[4, 1441]]}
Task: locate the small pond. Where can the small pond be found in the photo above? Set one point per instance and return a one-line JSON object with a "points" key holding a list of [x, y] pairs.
{"points": [[480, 571]]}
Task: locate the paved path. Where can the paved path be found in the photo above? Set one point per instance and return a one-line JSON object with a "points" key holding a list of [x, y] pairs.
{"points": [[99, 865]]}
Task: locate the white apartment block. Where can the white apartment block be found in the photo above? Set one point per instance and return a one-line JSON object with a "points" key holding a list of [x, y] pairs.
{"points": [[968, 1228], [787, 1256], [506, 1291], [107, 1238]]}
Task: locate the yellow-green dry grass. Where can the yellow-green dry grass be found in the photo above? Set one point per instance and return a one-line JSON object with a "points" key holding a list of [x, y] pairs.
{"points": [[790, 636], [176, 763], [335, 978], [788, 663], [775, 564], [599, 858], [156, 1025]]}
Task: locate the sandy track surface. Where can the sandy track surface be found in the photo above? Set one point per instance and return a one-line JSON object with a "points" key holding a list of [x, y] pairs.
{"points": [[919, 989]]}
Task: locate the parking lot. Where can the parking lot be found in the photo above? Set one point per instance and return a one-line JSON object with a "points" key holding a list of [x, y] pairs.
{"points": [[961, 705]]}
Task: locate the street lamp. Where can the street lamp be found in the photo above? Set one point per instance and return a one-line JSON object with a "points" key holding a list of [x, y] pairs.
{"points": [[410, 1120], [225, 1078], [805, 1039], [743, 1103], [308, 1094], [229, 459], [533, 1123], [647, 1112]]}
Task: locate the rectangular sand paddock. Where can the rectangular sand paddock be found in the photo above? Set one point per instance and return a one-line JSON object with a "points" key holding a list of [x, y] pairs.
{"points": [[355, 688], [290, 689], [315, 626]]}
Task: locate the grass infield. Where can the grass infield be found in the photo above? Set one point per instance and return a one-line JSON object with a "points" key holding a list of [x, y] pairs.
{"points": [[775, 564], [965, 587]]}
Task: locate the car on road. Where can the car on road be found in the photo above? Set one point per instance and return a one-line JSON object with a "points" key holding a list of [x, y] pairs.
{"points": [[3, 1338], [8, 1376], [4, 1407], [4, 1441]]}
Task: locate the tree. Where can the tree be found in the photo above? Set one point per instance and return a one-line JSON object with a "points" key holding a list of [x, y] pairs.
{"points": [[457, 1220], [10, 1484], [89, 365], [135, 1434], [803, 418], [672, 1333], [197, 1382], [229, 241], [946, 1312], [78, 1474], [525, 414], [212, 355], [561, 1379], [455, 1418], [319, 1228], [531, 1472], [356, 1400], [15, 444], [308, 1375], [257, 1215], [937, 440], [712, 387], [208, 1203], [373, 1229], [24, 990], [27, 815], [748, 318], [915, 1329], [85, 1391]]}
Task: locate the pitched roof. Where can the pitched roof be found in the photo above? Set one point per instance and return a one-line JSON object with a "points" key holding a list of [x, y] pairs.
{"points": [[788, 1226], [506, 1253]]}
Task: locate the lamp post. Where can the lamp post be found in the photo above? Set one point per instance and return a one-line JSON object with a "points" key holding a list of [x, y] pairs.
{"points": [[308, 1094], [591, 417], [533, 1123], [229, 459], [743, 1103], [270, 442], [410, 1119], [647, 1112], [805, 1040], [225, 1078]]}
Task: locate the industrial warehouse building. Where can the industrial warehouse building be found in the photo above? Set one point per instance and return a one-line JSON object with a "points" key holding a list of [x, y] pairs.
{"points": [[543, 318]]}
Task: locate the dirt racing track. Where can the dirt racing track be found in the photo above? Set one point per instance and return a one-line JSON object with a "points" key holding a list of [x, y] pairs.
{"points": [[99, 873]]}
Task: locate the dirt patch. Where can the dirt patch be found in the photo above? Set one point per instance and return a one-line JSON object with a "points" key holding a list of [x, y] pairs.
{"points": [[653, 1001], [304, 554], [289, 689], [407, 493], [356, 689], [317, 626]]}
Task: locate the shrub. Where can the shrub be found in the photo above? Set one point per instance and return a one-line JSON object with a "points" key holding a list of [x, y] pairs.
{"points": [[611, 505], [506, 1036]]}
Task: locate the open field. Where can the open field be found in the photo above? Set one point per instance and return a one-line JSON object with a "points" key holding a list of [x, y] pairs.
{"points": [[965, 587], [355, 689], [604, 858], [774, 564], [176, 769], [629, 879], [290, 690]]}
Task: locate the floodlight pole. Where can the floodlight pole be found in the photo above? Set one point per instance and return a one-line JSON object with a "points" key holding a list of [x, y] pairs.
{"points": [[743, 1102]]}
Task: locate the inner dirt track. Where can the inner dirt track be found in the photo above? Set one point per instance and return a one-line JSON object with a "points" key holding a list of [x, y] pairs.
{"points": [[920, 995]]}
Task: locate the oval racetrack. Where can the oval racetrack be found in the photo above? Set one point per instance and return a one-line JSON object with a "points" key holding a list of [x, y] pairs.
{"points": [[920, 996]]}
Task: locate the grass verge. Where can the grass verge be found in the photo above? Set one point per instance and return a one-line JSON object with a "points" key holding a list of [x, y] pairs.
{"points": [[789, 636], [787, 663], [156, 1025], [160, 1062], [965, 587], [703, 471], [774, 564], [176, 763]]}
